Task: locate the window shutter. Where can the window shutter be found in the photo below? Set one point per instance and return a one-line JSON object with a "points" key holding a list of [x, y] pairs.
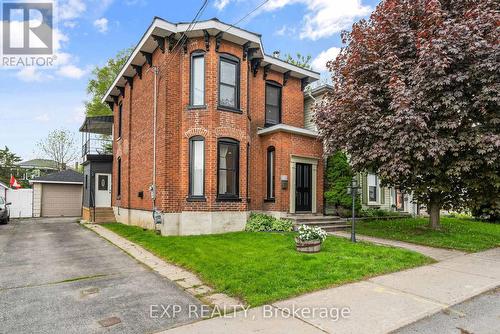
{"points": [[364, 184], [382, 195]]}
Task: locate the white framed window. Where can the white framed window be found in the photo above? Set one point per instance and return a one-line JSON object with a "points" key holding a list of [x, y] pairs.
{"points": [[373, 188], [197, 90], [196, 167]]}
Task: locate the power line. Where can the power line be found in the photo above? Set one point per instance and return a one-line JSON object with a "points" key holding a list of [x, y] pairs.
{"points": [[247, 15]]}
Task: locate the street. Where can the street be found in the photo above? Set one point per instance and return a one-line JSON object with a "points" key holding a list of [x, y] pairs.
{"points": [[58, 277]]}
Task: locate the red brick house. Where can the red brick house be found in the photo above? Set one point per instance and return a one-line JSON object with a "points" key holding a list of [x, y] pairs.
{"points": [[215, 127]]}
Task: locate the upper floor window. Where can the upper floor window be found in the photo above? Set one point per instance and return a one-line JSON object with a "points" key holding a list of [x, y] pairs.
{"points": [[273, 104], [228, 168], [229, 82], [196, 166], [372, 180], [120, 114], [197, 82], [270, 172]]}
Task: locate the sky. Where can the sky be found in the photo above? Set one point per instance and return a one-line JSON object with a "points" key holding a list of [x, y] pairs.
{"points": [[34, 102]]}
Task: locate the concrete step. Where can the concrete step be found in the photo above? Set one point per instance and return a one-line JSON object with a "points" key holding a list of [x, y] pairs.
{"points": [[328, 227]]}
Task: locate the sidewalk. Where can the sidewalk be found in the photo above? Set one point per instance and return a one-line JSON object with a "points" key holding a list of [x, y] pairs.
{"points": [[378, 305]]}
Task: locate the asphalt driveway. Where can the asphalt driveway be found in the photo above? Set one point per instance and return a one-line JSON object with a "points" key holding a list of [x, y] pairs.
{"points": [[58, 277]]}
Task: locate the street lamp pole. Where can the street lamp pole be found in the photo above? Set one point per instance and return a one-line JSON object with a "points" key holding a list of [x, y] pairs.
{"points": [[353, 190]]}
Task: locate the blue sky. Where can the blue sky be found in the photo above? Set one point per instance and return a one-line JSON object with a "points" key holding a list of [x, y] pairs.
{"points": [[34, 102]]}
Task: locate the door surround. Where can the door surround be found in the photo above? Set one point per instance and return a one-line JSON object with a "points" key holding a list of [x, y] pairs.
{"points": [[294, 159], [102, 198]]}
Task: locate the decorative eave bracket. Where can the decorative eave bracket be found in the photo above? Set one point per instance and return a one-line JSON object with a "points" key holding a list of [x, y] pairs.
{"points": [[286, 76], [138, 70], [266, 70], [160, 42], [246, 47], [218, 39], [149, 57], [207, 40], [130, 81], [303, 83], [255, 64]]}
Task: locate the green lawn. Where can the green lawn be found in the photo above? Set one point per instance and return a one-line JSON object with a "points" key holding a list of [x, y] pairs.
{"points": [[263, 267], [456, 233]]}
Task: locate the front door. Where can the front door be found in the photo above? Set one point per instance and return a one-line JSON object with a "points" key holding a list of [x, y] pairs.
{"points": [[303, 187], [103, 190]]}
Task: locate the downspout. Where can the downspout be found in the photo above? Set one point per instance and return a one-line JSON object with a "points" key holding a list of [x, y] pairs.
{"points": [[155, 107]]}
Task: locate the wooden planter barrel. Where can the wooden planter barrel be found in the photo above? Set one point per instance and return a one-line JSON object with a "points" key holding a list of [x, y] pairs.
{"points": [[311, 246]]}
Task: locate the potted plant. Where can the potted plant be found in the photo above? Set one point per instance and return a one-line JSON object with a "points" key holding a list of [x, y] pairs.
{"points": [[309, 239]]}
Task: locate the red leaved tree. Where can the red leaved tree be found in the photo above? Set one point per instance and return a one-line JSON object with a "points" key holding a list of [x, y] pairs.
{"points": [[416, 99]]}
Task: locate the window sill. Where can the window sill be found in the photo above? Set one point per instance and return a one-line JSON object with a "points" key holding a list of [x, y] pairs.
{"points": [[228, 199], [196, 199], [269, 200], [235, 110], [268, 125], [202, 107]]}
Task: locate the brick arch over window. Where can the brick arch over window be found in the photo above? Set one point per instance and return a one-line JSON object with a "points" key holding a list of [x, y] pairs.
{"points": [[228, 132], [196, 132]]}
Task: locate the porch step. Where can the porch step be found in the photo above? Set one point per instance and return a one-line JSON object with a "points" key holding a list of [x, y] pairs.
{"points": [[327, 223], [103, 215]]}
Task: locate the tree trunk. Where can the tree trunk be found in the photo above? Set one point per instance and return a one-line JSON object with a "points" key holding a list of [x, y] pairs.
{"points": [[434, 209]]}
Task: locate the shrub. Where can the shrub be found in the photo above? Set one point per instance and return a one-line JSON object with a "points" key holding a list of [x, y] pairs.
{"points": [[378, 213], [260, 222], [338, 177], [308, 233]]}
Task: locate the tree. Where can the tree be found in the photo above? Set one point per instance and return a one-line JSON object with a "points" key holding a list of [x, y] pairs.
{"points": [[102, 79], [8, 161], [60, 147], [416, 99], [338, 179], [299, 60]]}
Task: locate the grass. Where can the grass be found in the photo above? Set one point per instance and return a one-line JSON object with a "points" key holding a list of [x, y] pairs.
{"points": [[264, 267], [465, 234]]}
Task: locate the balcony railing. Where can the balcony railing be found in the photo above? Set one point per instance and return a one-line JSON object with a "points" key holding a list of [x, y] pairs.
{"points": [[97, 147]]}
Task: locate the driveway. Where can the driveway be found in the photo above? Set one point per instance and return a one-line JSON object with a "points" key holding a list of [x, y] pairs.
{"points": [[58, 277]]}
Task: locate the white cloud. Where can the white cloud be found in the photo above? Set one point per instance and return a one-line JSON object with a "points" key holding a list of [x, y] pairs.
{"points": [[78, 115], [221, 4], [71, 9], [324, 17], [29, 74], [101, 25], [285, 31], [42, 118], [71, 71], [319, 63]]}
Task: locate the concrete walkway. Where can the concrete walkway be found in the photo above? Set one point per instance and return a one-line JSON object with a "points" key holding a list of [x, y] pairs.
{"points": [[378, 305], [438, 254]]}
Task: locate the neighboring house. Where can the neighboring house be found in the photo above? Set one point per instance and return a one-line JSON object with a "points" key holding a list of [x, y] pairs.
{"points": [[230, 133], [310, 97], [97, 155], [373, 195], [58, 194], [36, 168]]}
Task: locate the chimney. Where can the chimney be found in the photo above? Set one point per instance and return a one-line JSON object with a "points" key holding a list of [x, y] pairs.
{"points": [[276, 54]]}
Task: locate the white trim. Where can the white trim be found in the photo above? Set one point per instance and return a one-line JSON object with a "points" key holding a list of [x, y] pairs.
{"points": [[287, 66], [294, 159], [287, 128], [165, 28], [4, 185], [54, 182]]}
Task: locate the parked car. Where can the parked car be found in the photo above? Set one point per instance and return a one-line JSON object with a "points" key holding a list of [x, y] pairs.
{"points": [[4, 211]]}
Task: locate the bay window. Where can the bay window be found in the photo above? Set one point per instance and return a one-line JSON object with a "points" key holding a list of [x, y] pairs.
{"points": [[228, 169], [197, 82], [229, 82], [196, 167]]}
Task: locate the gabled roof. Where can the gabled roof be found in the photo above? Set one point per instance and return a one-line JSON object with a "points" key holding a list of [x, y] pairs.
{"points": [[39, 163], [64, 177], [163, 29]]}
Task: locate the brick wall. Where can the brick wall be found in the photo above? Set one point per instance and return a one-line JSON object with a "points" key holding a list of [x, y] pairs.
{"points": [[176, 123]]}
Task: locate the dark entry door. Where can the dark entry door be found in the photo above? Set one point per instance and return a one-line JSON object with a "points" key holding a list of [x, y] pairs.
{"points": [[303, 187]]}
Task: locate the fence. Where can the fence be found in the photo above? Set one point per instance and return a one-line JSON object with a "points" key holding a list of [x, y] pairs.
{"points": [[22, 202]]}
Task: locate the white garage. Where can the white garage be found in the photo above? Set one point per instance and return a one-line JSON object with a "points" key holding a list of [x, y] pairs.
{"points": [[58, 195]]}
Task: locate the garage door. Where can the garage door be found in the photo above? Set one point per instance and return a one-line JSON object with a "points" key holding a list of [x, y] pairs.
{"points": [[61, 200]]}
